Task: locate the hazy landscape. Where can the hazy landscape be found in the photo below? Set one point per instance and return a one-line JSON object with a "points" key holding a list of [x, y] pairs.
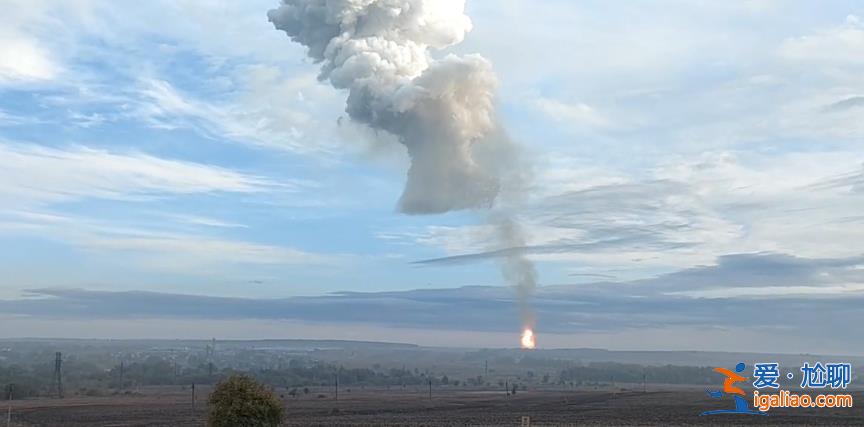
{"points": [[150, 383]]}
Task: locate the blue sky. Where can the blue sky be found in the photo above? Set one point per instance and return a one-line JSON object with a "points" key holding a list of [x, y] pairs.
{"points": [[187, 148]]}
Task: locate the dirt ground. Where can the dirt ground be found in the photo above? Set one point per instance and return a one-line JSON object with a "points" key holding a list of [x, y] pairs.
{"points": [[446, 408]]}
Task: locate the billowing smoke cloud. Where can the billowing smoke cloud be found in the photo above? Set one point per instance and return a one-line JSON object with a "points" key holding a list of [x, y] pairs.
{"points": [[379, 50], [441, 110]]}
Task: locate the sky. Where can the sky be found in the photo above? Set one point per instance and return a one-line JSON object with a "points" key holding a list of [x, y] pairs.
{"points": [[175, 169]]}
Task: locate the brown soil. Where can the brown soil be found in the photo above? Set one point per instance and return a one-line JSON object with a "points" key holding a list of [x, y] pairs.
{"points": [[414, 408]]}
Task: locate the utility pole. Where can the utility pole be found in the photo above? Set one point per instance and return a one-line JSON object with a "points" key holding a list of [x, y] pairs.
{"points": [[58, 376], [336, 385], [486, 368], [430, 389], [211, 352], [193, 398], [9, 408]]}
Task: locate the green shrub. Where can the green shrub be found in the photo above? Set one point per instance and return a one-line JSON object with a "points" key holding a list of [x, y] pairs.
{"points": [[239, 401]]}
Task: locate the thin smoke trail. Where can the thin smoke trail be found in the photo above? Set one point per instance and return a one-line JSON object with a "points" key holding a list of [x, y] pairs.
{"points": [[517, 269]]}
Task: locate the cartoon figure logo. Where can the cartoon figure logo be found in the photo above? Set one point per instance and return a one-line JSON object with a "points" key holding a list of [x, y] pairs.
{"points": [[741, 406]]}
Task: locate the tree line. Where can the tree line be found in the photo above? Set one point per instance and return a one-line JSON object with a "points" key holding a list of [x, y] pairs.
{"points": [[83, 378]]}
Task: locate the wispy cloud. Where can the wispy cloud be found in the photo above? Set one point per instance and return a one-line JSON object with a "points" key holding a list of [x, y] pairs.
{"points": [[161, 105], [11, 119], [849, 103], [853, 181], [686, 213], [39, 174], [838, 45], [572, 115], [207, 221], [157, 248], [101, 75], [35, 179]]}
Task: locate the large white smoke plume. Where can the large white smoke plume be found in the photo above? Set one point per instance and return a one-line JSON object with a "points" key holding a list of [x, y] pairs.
{"points": [[379, 51], [441, 110]]}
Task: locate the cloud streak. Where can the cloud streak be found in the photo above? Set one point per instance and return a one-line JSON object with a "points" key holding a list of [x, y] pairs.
{"points": [[39, 174], [660, 302], [159, 248]]}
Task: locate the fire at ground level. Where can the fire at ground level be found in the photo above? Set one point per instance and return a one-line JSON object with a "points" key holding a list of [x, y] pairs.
{"points": [[670, 406], [528, 341]]}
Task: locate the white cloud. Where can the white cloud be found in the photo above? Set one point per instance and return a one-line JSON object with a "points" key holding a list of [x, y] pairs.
{"points": [[271, 111], [187, 252], [775, 291], [264, 98], [9, 119], [574, 116], [22, 60], [688, 211], [839, 45], [32, 173], [154, 249], [24, 56], [207, 221]]}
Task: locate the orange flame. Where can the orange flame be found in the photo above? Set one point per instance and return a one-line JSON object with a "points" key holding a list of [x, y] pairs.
{"points": [[528, 341]]}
